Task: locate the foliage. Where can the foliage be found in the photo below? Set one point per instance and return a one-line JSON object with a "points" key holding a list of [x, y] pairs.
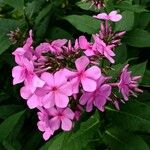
{"points": [[127, 129]]}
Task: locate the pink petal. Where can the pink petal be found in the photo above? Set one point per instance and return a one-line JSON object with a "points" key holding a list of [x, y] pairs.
{"points": [[68, 113], [66, 89], [59, 78], [66, 124], [75, 85], [48, 78], [89, 52], [37, 82], [54, 123], [53, 111], [47, 134], [18, 74], [83, 42], [25, 92], [59, 42], [85, 97], [89, 105], [88, 84], [48, 100], [61, 100], [81, 63], [94, 72], [113, 16], [33, 102], [102, 16]]}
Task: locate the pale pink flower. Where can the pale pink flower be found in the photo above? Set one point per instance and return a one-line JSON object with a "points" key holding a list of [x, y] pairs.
{"points": [[25, 73], [128, 83], [43, 124], [112, 16], [56, 91], [87, 78], [56, 46], [61, 117], [86, 46], [97, 98], [104, 50], [26, 51]]}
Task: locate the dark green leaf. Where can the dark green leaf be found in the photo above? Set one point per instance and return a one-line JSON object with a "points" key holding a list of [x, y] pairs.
{"points": [[138, 38], [84, 23], [9, 124]]}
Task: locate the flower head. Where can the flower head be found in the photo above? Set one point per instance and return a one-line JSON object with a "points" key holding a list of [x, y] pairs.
{"points": [[128, 83], [97, 98]]}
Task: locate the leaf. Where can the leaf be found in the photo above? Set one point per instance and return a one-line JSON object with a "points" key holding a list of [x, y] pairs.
{"points": [[130, 7], [138, 38], [9, 124], [17, 4], [76, 139], [139, 69], [118, 139], [133, 116], [126, 23], [121, 54], [146, 78], [86, 6], [84, 23], [58, 33], [8, 110]]}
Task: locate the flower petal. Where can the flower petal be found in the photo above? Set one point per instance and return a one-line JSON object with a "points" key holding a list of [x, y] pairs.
{"points": [[81, 63], [66, 124], [88, 84]]}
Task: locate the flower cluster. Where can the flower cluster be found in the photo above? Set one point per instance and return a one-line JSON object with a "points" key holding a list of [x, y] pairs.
{"points": [[60, 79]]}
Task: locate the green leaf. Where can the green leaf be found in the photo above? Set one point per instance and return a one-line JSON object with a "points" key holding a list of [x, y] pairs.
{"points": [[138, 38], [126, 23], [139, 69], [118, 139], [86, 6], [146, 78], [133, 116], [58, 33], [121, 54], [76, 139], [17, 4], [84, 23], [126, 6], [8, 110], [9, 124]]}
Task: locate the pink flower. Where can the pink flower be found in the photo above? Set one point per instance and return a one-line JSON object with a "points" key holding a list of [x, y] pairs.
{"points": [[43, 124], [56, 46], [55, 91], [113, 16], [86, 77], [61, 117], [25, 73], [128, 83], [26, 51], [97, 98], [85, 45], [103, 49]]}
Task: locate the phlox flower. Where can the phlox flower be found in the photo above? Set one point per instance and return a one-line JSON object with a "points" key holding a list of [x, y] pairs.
{"points": [[87, 78], [61, 118], [112, 16], [104, 50], [26, 51], [86, 46], [55, 92], [43, 123], [98, 98], [128, 83]]}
